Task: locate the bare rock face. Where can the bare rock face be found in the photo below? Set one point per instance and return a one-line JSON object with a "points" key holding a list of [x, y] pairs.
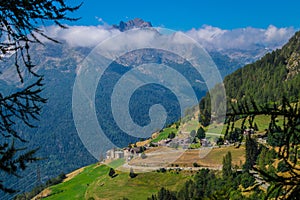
{"points": [[135, 23], [293, 65]]}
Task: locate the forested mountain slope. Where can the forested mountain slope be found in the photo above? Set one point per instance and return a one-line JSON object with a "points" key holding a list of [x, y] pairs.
{"points": [[268, 79]]}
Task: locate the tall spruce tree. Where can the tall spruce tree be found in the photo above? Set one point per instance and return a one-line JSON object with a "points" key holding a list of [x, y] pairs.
{"points": [[20, 22], [251, 153], [227, 165]]}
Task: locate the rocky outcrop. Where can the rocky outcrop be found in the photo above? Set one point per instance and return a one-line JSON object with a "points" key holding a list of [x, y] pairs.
{"points": [[135, 23]]}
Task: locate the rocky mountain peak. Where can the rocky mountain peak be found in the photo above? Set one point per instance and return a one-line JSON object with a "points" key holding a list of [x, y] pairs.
{"points": [[135, 23]]}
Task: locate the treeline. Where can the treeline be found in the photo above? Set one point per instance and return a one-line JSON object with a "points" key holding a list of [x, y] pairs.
{"points": [[231, 183], [36, 190], [209, 184], [269, 78]]}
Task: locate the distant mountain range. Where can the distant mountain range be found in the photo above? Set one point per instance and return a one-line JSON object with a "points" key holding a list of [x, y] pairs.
{"points": [[56, 134]]}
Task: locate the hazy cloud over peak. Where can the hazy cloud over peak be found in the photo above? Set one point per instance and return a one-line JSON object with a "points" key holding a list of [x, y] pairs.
{"points": [[241, 38], [211, 38], [207, 33], [82, 36], [274, 34]]}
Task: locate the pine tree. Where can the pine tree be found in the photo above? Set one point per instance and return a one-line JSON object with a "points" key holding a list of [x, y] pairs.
{"points": [[200, 133], [132, 174], [111, 172], [19, 29], [227, 165], [251, 152]]}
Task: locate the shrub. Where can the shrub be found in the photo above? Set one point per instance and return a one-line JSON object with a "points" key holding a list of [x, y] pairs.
{"points": [[132, 174], [196, 164], [247, 180], [282, 167], [143, 155], [111, 172]]}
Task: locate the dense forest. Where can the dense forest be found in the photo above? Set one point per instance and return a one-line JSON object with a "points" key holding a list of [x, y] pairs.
{"points": [[271, 77], [267, 80]]}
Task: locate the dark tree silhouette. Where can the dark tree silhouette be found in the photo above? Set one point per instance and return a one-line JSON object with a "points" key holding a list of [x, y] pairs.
{"points": [[251, 152], [287, 130], [200, 133], [132, 174], [111, 172], [163, 194], [227, 165], [20, 22]]}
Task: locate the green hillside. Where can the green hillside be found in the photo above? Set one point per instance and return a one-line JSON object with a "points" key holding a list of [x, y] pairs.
{"points": [[56, 135], [271, 77], [267, 80], [94, 182]]}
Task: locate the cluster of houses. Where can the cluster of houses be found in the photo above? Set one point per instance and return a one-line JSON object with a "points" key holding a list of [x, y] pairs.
{"points": [[181, 142], [127, 153], [130, 152], [261, 138]]}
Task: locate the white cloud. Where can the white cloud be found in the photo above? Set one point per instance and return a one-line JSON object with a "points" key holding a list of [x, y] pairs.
{"points": [[274, 34], [207, 33], [82, 36], [242, 38], [211, 38]]}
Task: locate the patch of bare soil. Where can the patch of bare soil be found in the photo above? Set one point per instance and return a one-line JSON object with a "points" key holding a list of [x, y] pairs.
{"points": [[73, 174], [46, 192]]}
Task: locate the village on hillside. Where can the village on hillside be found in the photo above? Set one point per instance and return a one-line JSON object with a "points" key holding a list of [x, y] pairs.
{"points": [[155, 152]]}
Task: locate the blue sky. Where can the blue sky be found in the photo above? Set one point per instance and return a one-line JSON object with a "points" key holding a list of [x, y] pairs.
{"points": [[188, 14]]}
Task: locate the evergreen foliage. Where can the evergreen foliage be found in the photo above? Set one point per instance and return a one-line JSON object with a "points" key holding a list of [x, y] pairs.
{"points": [[247, 180], [19, 21], [207, 185], [251, 153], [267, 80], [227, 166], [36, 190], [200, 133], [288, 130], [132, 174], [111, 172]]}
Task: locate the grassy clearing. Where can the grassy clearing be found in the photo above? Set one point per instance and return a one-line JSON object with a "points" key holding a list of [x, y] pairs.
{"points": [[191, 125], [117, 163], [164, 134], [262, 122], [140, 187], [76, 187], [214, 158], [95, 182], [216, 128]]}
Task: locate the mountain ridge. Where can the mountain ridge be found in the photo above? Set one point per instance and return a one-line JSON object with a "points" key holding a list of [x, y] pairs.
{"points": [[131, 24], [270, 77], [267, 80]]}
